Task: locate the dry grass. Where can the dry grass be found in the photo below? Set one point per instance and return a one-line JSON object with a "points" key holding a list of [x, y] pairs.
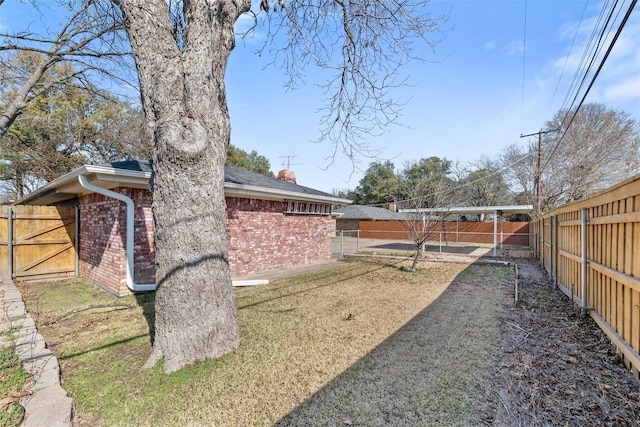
{"points": [[362, 344]]}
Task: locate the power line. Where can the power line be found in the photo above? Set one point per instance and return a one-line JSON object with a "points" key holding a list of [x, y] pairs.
{"points": [[593, 80], [566, 60], [598, 47], [582, 64]]}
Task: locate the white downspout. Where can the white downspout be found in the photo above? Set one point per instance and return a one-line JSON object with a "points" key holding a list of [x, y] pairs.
{"points": [[136, 287]]}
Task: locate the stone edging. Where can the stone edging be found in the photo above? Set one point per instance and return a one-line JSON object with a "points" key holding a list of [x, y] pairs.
{"points": [[47, 403]]}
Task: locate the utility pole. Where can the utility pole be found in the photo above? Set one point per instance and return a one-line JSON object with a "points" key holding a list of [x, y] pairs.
{"points": [[539, 166]]}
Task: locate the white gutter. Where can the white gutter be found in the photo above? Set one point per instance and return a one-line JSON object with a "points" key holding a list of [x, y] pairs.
{"points": [[136, 287]]}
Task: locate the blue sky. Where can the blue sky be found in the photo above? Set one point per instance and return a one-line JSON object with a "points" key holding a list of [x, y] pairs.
{"points": [[469, 103], [473, 99]]}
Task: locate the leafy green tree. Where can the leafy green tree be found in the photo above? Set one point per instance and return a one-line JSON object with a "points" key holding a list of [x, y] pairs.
{"points": [[64, 127], [432, 172], [88, 44], [252, 161], [379, 185]]}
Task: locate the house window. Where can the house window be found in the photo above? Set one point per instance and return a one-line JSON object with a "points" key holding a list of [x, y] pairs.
{"points": [[308, 208]]}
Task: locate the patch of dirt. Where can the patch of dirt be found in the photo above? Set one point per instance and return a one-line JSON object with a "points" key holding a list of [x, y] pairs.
{"points": [[555, 366]]}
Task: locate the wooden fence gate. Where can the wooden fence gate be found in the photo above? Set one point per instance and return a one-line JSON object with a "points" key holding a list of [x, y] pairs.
{"points": [[37, 242]]}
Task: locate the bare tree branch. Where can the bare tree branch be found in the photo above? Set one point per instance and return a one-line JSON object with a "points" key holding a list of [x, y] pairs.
{"points": [[91, 36], [363, 45]]}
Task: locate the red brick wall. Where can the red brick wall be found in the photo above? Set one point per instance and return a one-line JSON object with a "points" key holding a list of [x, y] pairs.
{"points": [[102, 242], [263, 237]]}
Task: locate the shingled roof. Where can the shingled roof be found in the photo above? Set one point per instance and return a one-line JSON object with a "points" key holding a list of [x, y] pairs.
{"points": [[367, 213], [232, 175], [136, 173]]}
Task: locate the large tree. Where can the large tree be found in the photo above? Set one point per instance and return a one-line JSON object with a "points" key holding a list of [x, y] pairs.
{"points": [[428, 173], [62, 128], [599, 148], [594, 148], [252, 161], [378, 186], [181, 56]]}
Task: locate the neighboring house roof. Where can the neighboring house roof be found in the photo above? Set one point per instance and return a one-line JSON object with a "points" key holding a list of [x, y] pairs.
{"points": [[367, 213], [136, 174]]}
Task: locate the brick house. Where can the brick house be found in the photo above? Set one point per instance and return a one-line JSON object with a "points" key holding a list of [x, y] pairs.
{"points": [[271, 222]]}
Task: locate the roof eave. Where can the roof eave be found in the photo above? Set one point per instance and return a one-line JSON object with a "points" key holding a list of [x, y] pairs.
{"points": [[66, 187], [250, 191]]}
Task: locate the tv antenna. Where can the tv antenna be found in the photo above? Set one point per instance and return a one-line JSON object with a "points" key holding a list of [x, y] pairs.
{"points": [[287, 163]]}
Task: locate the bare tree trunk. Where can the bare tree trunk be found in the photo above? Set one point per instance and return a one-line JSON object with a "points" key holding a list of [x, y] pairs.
{"points": [[184, 99], [415, 258]]}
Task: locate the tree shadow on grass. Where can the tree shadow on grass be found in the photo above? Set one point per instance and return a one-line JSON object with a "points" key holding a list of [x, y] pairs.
{"points": [[147, 300], [423, 374]]}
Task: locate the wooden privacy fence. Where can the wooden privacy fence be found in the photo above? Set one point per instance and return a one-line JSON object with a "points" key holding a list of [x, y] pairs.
{"points": [[508, 233], [37, 242], [591, 249]]}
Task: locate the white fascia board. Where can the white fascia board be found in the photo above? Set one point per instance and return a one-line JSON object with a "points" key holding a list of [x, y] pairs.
{"points": [[53, 185]]}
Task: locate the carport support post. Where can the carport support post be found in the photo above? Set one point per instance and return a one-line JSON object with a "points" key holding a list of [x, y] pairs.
{"points": [[495, 232]]}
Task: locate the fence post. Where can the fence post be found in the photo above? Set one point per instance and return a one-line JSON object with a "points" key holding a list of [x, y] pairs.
{"points": [[341, 243], [516, 285], [584, 260], [556, 249], [10, 242], [551, 242], [495, 231], [542, 242], [77, 241], [357, 240]]}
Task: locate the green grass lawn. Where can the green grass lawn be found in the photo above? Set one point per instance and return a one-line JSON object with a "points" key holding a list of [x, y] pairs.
{"points": [[365, 330]]}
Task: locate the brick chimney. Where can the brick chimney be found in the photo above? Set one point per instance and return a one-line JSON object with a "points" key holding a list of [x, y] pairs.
{"points": [[287, 175]]}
